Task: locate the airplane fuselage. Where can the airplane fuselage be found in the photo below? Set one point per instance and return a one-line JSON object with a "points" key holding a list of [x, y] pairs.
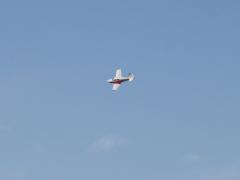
{"points": [[118, 81]]}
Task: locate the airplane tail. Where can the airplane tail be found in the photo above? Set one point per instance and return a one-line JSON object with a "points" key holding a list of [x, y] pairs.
{"points": [[131, 77]]}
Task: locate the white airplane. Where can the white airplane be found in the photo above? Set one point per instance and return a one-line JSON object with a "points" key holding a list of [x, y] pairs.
{"points": [[119, 79]]}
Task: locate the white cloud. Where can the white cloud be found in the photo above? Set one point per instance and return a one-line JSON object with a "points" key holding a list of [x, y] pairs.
{"points": [[107, 143]]}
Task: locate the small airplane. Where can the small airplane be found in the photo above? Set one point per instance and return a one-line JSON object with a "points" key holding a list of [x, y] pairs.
{"points": [[119, 79]]}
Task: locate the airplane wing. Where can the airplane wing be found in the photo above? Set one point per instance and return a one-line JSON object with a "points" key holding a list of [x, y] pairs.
{"points": [[118, 74], [116, 86]]}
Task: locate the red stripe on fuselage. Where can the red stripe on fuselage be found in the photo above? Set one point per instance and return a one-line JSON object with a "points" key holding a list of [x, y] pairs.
{"points": [[117, 81]]}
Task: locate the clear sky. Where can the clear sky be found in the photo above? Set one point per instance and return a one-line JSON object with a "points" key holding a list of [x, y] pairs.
{"points": [[179, 120]]}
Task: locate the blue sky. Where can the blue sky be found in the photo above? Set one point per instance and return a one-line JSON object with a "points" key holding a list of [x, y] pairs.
{"points": [[179, 120]]}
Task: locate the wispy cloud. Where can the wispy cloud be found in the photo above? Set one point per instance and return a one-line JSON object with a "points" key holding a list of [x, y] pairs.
{"points": [[107, 143], [5, 128], [193, 158], [223, 174], [39, 148]]}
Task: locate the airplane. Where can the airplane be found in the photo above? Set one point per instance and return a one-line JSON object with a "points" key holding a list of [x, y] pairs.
{"points": [[119, 79]]}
